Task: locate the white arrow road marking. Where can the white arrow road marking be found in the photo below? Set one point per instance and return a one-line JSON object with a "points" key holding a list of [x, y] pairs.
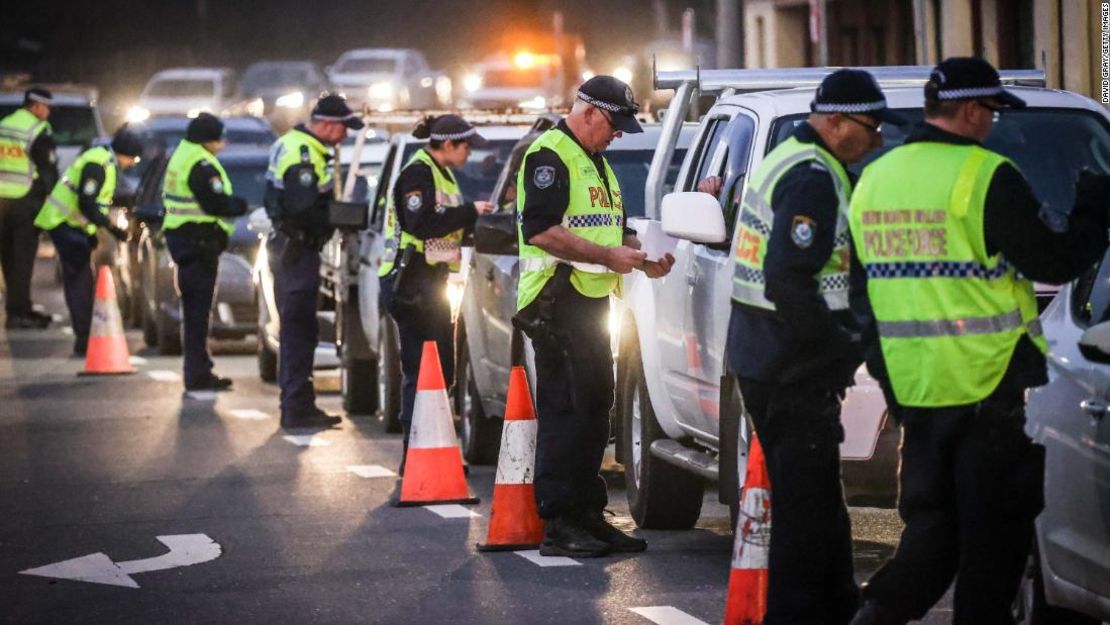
{"points": [[453, 511], [162, 375], [306, 440], [201, 395], [667, 615], [370, 470], [138, 361], [534, 557], [98, 568], [249, 414], [68, 331]]}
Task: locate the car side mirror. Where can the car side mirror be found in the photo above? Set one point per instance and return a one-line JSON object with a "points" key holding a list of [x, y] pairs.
{"points": [[1094, 343], [495, 233], [694, 216]]}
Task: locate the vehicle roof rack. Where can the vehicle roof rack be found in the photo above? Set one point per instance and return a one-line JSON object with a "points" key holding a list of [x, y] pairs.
{"points": [[746, 80], [510, 117]]}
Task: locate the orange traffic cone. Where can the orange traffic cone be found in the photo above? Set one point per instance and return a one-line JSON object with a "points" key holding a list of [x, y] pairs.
{"points": [[433, 464], [747, 585], [514, 523], [107, 352]]}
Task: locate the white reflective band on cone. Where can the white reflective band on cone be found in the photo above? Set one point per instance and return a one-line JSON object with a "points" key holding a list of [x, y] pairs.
{"points": [[752, 546], [433, 427], [516, 464]]}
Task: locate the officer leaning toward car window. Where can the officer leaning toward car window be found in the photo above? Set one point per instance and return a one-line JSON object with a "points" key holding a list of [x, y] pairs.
{"points": [[299, 184], [73, 212], [951, 331], [200, 216], [791, 342], [28, 171], [425, 222], [573, 250]]}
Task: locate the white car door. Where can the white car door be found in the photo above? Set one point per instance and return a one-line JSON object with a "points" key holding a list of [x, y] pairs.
{"points": [[1069, 417]]}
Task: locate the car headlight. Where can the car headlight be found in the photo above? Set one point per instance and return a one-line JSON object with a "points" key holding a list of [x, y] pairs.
{"points": [[293, 100], [537, 103], [381, 90], [256, 107], [455, 296], [137, 114], [623, 74], [472, 82]]}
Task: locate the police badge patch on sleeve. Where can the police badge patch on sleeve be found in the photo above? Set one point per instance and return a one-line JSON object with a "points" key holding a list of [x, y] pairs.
{"points": [[544, 176], [305, 178], [802, 231], [414, 200], [216, 185], [90, 187]]}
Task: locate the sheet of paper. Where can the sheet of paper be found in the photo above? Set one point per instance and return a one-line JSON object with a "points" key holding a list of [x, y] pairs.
{"points": [[654, 242]]}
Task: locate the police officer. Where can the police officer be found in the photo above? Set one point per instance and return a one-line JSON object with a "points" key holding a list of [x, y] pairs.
{"points": [[791, 346], [299, 183], [573, 250], [200, 216], [955, 338], [75, 209], [426, 218], [28, 171]]}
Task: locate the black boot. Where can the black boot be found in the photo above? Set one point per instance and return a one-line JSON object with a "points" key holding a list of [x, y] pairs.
{"points": [[211, 383], [618, 541], [312, 418], [563, 536]]}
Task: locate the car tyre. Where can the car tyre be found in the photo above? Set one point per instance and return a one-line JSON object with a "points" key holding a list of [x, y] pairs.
{"points": [[1031, 607], [169, 335], [389, 372], [660, 495], [480, 435]]}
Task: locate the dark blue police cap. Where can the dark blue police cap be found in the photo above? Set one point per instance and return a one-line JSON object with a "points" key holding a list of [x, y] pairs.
{"points": [[614, 96], [332, 107], [853, 91], [968, 78]]}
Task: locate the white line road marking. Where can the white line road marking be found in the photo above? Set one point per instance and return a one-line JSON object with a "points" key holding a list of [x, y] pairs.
{"points": [[163, 375], [306, 440], [201, 395], [249, 414], [453, 511], [667, 615], [98, 568], [370, 470], [66, 330], [138, 361], [534, 557]]}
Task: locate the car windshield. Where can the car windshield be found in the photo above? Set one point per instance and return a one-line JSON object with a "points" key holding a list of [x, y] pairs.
{"points": [[631, 168], [1049, 146], [479, 174], [71, 125], [512, 78], [248, 180], [158, 140], [366, 66], [182, 88], [260, 77]]}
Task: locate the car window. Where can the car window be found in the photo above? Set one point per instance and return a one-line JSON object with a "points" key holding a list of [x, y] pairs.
{"points": [[248, 181], [366, 66], [1091, 296], [175, 88], [708, 153], [71, 125], [377, 216], [631, 168], [740, 133], [477, 177]]}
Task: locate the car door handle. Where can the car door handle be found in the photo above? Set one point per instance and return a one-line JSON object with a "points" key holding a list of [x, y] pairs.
{"points": [[1094, 407]]}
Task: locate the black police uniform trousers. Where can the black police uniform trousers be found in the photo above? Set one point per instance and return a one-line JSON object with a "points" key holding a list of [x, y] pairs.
{"points": [[971, 485], [574, 396], [296, 268], [197, 269], [431, 321], [19, 242], [74, 249], [810, 565]]}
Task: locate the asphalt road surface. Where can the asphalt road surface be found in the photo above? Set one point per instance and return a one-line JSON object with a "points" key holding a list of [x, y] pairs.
{"points": [[185, 509]]}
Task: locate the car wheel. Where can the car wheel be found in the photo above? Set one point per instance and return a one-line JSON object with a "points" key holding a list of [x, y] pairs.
{"points": [[138, 319], [358, 377], [481, 435], [150, 330], [1031, 607], [660, 495], [169, 335], [389, 373], [267, 358]]}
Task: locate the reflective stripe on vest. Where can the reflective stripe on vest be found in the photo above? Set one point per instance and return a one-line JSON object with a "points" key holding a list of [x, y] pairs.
{"points": [[440, 250], [593, 213], [757, 220], [62, 206], [18, 132], [948, 314], [181, 205]]}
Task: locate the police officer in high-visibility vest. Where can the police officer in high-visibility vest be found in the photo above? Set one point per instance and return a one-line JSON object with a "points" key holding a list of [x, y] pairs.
{"points": [[426, 218], [791, 343], [200, 216], [949, 236], [299, 184], [28, 171], [72, 214], [573, 249]]}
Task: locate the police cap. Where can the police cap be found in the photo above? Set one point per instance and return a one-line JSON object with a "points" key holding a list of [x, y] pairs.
{"points": [[449, 127], [204, 128], [38, 94], [853, 91], [332, 107], [968, 78], [615, 97], [127, 143]]}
